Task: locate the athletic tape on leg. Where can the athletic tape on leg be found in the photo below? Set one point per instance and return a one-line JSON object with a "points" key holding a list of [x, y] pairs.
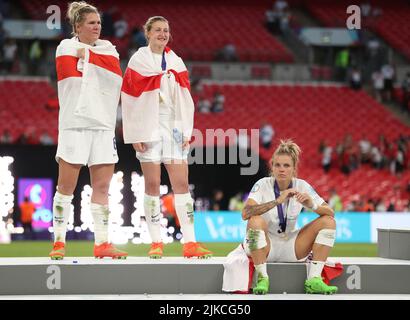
{"points": [[326, 237], [255, 239], [152, 212], [61, 214], [100, 214], [152, 209], [184, 206]]}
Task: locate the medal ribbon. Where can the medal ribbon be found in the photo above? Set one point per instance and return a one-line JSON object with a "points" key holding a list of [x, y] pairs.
{"points": [[282, 218]]}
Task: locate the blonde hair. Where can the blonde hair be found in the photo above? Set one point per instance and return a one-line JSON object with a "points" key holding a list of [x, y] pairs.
{"points": [[289, 148], [76, 13], [150, 22]]}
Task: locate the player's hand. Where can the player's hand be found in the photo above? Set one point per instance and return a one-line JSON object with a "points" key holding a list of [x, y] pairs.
{"points": [[288, 193], [81, 53], [140, 146], [185, 144], [304, 199]]}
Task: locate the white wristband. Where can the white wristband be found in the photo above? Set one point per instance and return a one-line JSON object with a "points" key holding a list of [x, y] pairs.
{"points": [[314, 207]]}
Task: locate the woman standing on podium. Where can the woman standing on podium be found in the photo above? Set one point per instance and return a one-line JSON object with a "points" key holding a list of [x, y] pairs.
{"points": [[89, 85], [158, 116]]}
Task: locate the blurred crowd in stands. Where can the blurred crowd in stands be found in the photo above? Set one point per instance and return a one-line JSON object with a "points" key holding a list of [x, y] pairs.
{"points": [[368, 69], [277, 17], [365, 203], [384, 86], [349, 155], [28, 137], [381, 154], [208, 105], [359, 203]]}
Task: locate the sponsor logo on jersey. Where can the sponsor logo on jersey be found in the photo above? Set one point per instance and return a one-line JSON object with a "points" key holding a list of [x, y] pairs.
{"points": [[255, 188]]}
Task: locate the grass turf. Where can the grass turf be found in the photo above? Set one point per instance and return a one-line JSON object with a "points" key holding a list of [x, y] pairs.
{"points": [[220, 249]]}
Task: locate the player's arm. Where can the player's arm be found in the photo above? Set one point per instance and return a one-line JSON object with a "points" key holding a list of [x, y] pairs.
{"points": [[252, 208], [306, 201], [325, 210]]}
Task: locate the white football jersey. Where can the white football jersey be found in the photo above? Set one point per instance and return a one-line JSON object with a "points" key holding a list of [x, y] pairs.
{"points": [[263, 191]]}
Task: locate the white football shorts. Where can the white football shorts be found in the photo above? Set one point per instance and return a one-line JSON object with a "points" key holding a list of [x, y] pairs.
{"points": [[87, 147], [169, 148], [282, 248]]}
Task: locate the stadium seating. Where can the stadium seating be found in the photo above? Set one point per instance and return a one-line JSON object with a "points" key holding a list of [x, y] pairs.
{"points": [[201, 71], [309, 114], [21, 112], [390, 24], [261, 72], [365, 182], [306, 113], [199, 29], [202, 28]]}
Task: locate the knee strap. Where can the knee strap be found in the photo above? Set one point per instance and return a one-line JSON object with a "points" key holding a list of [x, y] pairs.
{"points": [[255, 239], [326, 237], [61, 199]]}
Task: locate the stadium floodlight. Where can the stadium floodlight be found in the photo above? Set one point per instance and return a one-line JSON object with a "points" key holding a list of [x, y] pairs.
{"points": [[138, 216], [71, 217], [119, 234], [85, 216], [116, 234], [6, 186], [6, 197]]}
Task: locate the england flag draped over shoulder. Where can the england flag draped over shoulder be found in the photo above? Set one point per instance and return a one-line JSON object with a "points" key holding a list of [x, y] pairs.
{"points": [[140, 96], [88, 89]]}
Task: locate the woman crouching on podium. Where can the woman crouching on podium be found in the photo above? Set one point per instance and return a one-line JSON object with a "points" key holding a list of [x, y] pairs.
{"points": [[272, 209]]}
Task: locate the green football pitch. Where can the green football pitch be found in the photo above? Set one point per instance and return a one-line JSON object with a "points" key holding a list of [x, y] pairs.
{"points": [[220, 249]]}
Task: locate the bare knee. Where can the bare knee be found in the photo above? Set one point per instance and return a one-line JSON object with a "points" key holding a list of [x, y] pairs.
{"points": [[180, 187], [327, 222], [257, 222], [152, 186], [101, 187], [66, 188]]}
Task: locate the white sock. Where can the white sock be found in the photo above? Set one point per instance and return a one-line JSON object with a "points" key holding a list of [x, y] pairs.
{"points": [[315, 269], [61, 213], [261, 269], [184, 206], [100, 215], [153, 217]]}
